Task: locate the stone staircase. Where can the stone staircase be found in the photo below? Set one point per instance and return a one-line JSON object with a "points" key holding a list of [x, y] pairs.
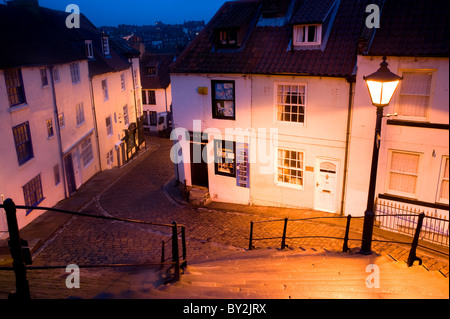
{"points": [[199, 196], [298, 274]]}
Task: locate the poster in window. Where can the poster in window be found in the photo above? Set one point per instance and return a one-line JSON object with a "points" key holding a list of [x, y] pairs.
{"points": [[223, 99], [242, 165], [224, 158]]}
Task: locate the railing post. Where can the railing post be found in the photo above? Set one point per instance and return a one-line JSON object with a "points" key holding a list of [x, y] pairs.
{"points": [[250, 244], [175, 256], [347, 230], [283, 239], [183, 243], [412, 253], [15, 245], [163, 257]]}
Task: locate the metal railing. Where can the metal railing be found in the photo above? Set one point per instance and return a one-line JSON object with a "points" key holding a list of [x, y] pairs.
{"points": [[403, 219], [273, 233], [22, 259]]}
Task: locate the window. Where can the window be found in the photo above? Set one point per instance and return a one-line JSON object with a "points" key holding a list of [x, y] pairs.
{"points": [[224, 158], [79, 113], [415, 95], [443, 187], [290, 167], [122, 81], [55, 74], [75, 72], [105, 45], [403, 173], [227, 38], [126, 119], [223, 100], [87, 154], [56, 174], [89, 49], [44, 78], [61, 120], [307, 34], [22, 140], [149, 97], [50, 132], [32, 192], [105, 90], [109, 158], [291, 103], [108, 126], [14, 87], [151, 70]]}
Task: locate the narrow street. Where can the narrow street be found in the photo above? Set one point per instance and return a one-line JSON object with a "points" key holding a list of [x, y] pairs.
{"points": [[141, 193]]}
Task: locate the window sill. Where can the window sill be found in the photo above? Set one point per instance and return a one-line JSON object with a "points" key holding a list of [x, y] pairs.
{"points": [[34, 205], [289, 185], [18, 107]]}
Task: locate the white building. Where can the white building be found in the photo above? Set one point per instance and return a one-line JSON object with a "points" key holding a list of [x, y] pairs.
{"points": [[279, 83]]}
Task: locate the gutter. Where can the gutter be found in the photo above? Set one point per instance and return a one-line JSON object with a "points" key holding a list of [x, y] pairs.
{"points": [[351, 94], [91, 91], [58, 132]]}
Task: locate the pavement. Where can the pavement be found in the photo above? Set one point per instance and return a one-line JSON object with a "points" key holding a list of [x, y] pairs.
{"points": [[145, 189]]}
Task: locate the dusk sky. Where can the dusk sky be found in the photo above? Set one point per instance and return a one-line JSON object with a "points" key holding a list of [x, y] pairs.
{"points": [[139, 12]]}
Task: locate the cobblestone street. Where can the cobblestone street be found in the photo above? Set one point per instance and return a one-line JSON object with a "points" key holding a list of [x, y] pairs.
{"points": [[141, 193]]}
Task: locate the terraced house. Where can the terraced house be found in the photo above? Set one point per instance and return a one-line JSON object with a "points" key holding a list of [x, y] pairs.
{"points": [[272, 109], [52, 129]]}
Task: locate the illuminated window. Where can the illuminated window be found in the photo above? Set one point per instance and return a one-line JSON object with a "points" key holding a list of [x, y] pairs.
{"points": [[50, 132], [14, 86], [291, 103], [223, 100], [307, 34], [22, 140], [32, 192], [224, 158], [290, 167]]}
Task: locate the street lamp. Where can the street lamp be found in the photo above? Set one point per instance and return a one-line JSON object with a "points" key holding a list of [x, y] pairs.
{"points": [[381, 85]]}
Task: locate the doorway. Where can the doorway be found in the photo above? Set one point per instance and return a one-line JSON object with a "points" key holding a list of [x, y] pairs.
{"points": [[325, 194], [199, 163]]}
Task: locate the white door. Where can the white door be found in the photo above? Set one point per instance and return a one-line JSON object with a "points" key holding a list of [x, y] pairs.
{"points": [[325, 195], [77, 167]]}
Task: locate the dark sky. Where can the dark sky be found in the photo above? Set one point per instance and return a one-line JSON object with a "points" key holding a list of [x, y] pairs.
{"points": [[139, 12]]}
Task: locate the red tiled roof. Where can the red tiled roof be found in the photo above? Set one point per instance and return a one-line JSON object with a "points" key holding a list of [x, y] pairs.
{"points": [[413, 28], [268, 49]]}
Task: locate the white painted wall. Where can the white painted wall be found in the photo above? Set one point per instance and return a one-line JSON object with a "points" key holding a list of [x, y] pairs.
{"points": [[322, 136], [414, 139]]}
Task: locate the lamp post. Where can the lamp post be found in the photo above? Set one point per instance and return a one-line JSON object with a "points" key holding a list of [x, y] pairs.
{"points": [[381, 85]]}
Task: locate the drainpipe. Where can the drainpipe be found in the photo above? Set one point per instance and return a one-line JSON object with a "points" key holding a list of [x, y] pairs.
{"points": [[58, 132], [351, 93], [135, 103], [94, 115]]}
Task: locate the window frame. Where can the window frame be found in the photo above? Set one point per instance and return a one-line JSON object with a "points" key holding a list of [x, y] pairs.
{"points": [[110, 158], [218, 160], [126, 117], [302, 169], [215, 99], [87, 152], [105, 45], [389, 171], [89, 49], [79, 111], [44, 77], [109, 128], [122, 82], [398, 96], [14, 87], [318, 33], [304, 105], [75, 72], [105, 89], [33, 193], [61, 120], [445, 162], [50, 129], [227, 38], [23, 154]]}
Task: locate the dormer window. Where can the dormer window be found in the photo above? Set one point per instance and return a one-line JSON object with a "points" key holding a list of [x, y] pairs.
{"points": [[308, 34], [89, 49], [227, 38], [105, 45], [151, 70]]}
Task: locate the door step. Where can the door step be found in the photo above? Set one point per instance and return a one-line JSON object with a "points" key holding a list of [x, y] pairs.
{"points": [[199, 196]]}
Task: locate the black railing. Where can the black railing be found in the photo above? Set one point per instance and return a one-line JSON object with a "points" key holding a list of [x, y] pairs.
{"points": [[273, 233], [403, 219], [22, 260]]}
